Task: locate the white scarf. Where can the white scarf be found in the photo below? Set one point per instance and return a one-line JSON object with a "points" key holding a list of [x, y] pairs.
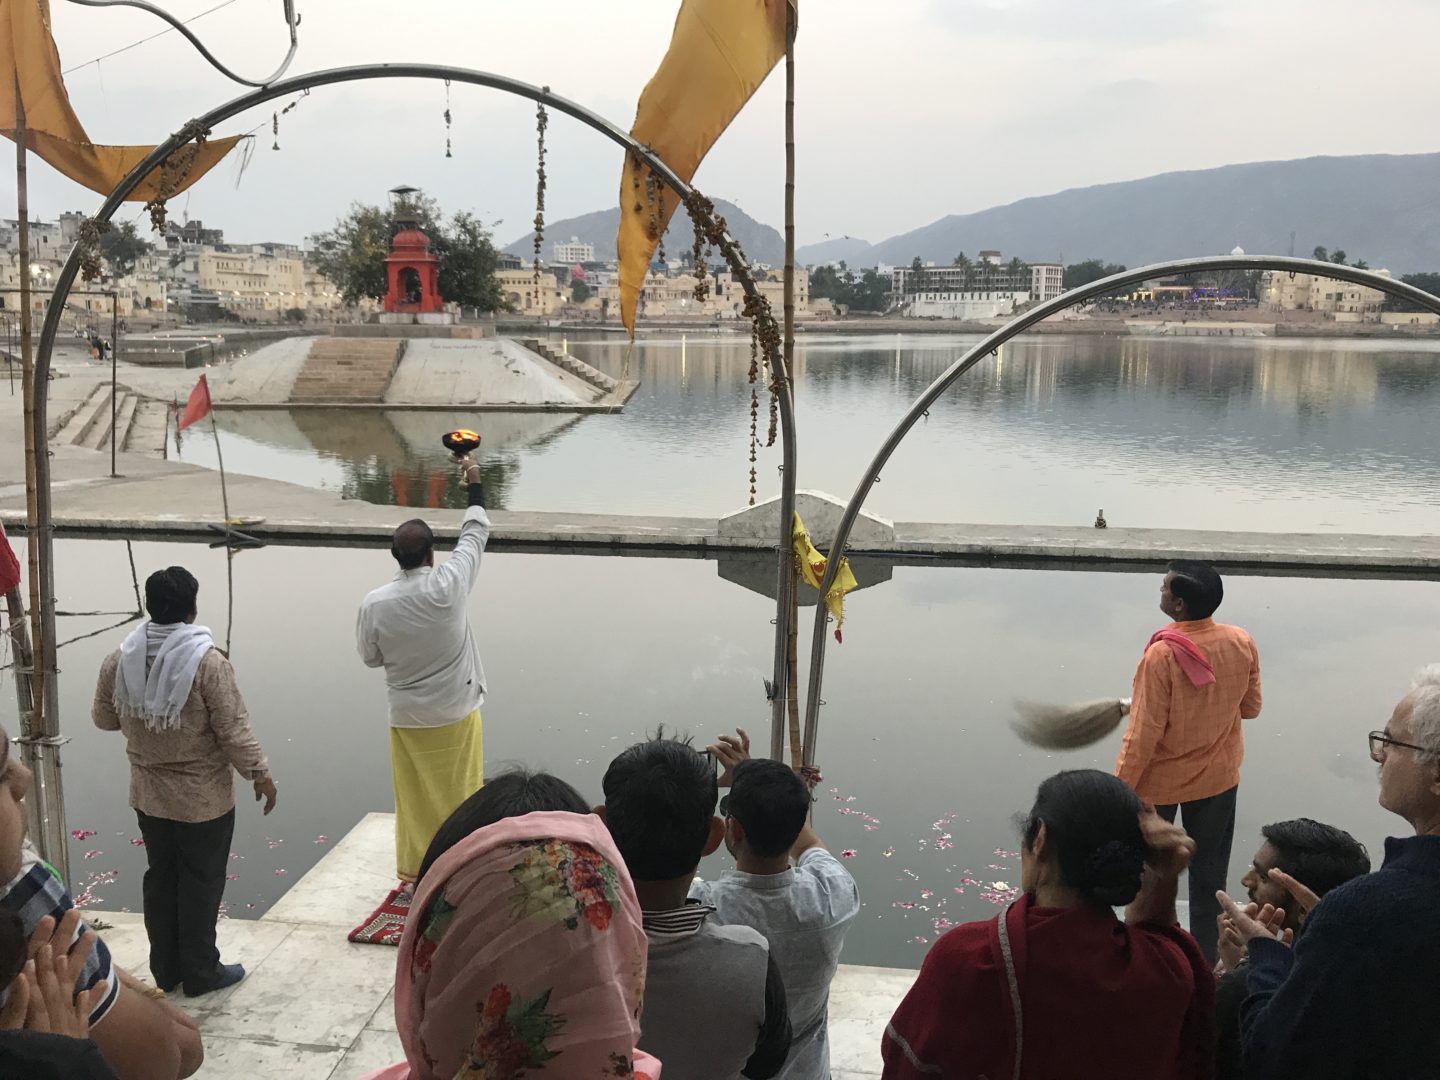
{"points": [[172, 652]]}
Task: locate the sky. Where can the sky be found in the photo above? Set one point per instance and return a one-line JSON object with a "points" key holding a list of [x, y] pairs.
{"points": [[906, 110]]}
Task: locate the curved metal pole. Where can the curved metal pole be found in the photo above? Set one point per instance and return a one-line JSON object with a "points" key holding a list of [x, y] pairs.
{"points": [[1004, 334], [291, 20], [329, 77]]}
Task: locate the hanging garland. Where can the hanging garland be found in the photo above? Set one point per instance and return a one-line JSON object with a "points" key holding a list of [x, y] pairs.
{"points": [[447, 119], [88, 242], [174, 171], [712, 232], [542, 121], [275, 119]]}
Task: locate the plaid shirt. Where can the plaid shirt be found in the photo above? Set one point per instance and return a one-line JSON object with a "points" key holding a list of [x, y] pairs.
{"points": [[35, 893], [1184, 741]]}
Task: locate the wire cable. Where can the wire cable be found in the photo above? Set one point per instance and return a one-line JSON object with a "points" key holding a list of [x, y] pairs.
{"points": [[292, 21]]}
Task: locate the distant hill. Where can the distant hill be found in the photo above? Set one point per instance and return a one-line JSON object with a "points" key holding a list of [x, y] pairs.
{"points": [[848, 249], [1382, 208], [761, 243]]}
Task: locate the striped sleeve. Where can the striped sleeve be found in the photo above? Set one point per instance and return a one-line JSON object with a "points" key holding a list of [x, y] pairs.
{"points": [[37, 893]]}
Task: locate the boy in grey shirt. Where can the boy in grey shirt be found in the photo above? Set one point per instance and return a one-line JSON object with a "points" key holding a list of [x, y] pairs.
{"points": [[803, 910]]}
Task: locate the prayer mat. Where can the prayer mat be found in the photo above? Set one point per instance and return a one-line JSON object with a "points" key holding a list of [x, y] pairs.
{"points": [[387, 922]]}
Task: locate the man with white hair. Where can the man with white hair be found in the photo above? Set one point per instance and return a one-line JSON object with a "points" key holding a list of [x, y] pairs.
{"points": [[1355, 997]]}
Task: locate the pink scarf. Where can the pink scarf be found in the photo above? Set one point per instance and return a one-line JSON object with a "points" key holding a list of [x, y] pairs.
{"points": [[1187, 654], [523, 952]]}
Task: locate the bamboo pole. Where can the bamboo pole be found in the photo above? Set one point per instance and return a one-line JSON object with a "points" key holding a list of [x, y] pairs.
{"points": [[24, 681], [39, 740], [793, 701], [790, 684]]}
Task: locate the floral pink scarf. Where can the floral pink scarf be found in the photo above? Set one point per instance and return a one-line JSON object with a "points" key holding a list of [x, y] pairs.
{"points": [[523, 954]]}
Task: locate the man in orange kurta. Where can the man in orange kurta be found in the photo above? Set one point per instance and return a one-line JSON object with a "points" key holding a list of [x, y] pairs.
{"points": [[1182, 751]]}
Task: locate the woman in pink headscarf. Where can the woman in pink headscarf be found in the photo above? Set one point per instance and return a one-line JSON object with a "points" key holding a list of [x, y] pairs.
{"points": [[524, 950]]}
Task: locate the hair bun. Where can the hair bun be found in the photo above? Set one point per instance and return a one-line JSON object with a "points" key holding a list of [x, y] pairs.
{"points": [[1112, 872]]}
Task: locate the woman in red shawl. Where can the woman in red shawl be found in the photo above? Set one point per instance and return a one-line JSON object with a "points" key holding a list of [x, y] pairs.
{"points": [[1056, 987]]}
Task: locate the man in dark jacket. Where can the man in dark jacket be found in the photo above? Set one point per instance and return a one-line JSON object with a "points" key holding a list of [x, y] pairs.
{"points": [[1355, 996]]}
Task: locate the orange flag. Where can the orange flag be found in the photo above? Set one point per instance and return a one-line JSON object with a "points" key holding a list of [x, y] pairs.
{"points": [[28, 57], [197, 407], [719, 55]]}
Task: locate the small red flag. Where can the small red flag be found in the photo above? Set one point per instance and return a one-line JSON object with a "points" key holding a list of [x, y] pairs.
{"points": [[9, 565], [198, 405]]}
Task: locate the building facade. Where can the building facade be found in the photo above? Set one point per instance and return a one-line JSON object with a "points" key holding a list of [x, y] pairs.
{"points": [[573, 251], [1340, 300], [1047, 281]]}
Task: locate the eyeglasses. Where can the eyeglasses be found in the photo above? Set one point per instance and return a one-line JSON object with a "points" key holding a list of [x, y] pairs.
{"points": [[1379, 741]]}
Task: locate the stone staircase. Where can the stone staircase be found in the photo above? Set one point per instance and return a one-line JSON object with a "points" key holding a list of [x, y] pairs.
{"points": [[89, 425], [347, 371], [581, 370]]}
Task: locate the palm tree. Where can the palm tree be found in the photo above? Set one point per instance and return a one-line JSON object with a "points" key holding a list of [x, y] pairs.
{"points": [[964, 264]]}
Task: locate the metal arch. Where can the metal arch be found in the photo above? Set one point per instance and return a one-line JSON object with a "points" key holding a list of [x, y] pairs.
{"points": [[1004, 334], [734, 256]]}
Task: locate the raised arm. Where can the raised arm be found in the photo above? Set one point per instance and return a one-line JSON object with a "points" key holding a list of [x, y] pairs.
{"points": [[463, 566], [1149, 713]]}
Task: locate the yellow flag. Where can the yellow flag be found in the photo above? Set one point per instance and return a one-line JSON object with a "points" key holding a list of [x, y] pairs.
{"points": [[29, 59], [812, 570], [719, 55]]}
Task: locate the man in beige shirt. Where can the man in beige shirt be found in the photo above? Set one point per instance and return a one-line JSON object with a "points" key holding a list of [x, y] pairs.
{"points": [[173, 695]]}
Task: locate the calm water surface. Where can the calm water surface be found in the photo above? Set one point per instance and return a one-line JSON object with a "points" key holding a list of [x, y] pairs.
{"points": [[586, 653], [1265, 435]]}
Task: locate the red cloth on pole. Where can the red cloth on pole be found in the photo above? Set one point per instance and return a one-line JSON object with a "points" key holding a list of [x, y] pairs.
{"points": [[197, 407], [9, 565]]}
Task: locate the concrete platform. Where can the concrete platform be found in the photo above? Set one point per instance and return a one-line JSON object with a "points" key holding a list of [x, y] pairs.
{"points": [[315, 1006]]}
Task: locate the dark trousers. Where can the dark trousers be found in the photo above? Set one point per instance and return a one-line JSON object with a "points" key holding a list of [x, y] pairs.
{"points": [[1211, 824], [182, 889]]}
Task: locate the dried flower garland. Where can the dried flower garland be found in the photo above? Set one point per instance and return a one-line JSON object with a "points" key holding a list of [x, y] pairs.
{"points": [[542, 121], [175, 170]]}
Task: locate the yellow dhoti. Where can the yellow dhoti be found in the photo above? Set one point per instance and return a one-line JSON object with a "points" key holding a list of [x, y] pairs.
{"points": [[435, 769]]}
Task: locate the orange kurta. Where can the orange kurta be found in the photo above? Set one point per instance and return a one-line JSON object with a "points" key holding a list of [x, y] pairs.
{"points": [[1184, 741]]}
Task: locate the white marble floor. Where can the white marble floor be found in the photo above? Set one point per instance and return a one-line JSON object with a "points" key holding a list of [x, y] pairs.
{"points": [[315, 1006]]}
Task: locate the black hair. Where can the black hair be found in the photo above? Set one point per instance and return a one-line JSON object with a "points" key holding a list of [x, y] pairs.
{"points": [[1092, 824], [1318, 856], [1199, 585], [513, 793], [771, 803], [170, 594], [14, 947], [659, 801], [412, 544]]}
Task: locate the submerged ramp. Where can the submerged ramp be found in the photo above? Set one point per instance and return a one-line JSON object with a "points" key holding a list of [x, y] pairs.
{"points": [[397, 372]]}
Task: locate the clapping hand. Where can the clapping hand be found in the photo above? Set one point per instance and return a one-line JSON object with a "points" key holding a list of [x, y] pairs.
{"points": [[1305, 899], [42, 997], [1249, 922], [1232, 945], [729, 751]]}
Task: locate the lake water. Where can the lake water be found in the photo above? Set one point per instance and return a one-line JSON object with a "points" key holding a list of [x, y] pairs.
{"points": [[588, 652], [1257, 434], [585, 653]]}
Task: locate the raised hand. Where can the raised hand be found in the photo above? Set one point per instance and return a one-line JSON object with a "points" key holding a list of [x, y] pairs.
{"points": [[730, 750], [1170, 846], [1267, 922]]}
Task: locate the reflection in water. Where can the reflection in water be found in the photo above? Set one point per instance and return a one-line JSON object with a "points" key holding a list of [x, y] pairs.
{"points": [[1267, 435], [585, 654]]}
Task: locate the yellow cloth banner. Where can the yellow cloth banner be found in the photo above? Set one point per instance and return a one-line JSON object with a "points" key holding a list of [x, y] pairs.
{"points": [[32, 64], [719, 55], [812, 570]]}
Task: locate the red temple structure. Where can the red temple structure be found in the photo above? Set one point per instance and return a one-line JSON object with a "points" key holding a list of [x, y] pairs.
{"points": [[413, 272]]}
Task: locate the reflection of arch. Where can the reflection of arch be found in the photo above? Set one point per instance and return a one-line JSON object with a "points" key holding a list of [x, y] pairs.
{"points": [[43, 540], [992, 342]]}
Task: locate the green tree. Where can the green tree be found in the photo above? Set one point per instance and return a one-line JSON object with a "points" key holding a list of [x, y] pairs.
{"points": [[121, 246], [352, 254], [1083, 273], [1321, 254], [1361, 264], [579, 291], [1338, 257], [1429, 282]]}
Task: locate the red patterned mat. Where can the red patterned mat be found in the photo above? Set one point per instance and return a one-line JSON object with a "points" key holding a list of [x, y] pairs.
{"points": [[387, 922]]}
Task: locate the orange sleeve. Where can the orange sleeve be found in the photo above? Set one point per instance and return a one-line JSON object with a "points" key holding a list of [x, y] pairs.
{"points": [[1149, 713], [1250, 703]]}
